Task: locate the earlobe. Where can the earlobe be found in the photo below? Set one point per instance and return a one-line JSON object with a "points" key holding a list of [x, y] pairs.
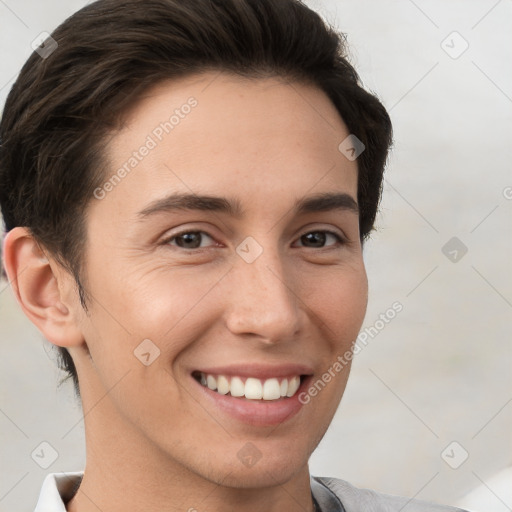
{"points": [[35, 282]]}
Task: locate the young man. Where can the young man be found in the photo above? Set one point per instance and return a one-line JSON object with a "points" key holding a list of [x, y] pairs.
{"points": [[187, 187]]}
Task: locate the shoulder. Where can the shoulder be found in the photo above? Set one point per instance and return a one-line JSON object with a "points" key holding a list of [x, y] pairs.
{"points": [[355, 499]]}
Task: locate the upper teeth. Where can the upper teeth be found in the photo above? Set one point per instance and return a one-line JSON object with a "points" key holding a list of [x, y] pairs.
{"points": [[256, 389]]}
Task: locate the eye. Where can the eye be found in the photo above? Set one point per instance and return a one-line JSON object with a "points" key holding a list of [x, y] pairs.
{"points": [[319, 237], [193, 239], [188, 239]]}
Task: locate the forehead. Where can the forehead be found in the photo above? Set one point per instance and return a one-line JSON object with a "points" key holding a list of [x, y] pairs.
{"points": [[257, 139]]}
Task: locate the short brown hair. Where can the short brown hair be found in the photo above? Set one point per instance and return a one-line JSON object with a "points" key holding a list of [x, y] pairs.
{"points": [[60, 109]]}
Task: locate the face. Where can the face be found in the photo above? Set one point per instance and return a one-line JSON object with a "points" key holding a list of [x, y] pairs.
{"points": [[211, 263]]}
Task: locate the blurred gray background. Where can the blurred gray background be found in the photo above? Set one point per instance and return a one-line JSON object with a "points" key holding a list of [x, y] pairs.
{"points": [[428, 408]]}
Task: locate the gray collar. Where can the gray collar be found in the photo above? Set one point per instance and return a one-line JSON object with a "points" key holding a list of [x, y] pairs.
{"points": [[325, 500]]}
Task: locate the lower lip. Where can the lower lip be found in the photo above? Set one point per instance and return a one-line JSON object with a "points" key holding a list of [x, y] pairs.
{"points": [[256, 412]]}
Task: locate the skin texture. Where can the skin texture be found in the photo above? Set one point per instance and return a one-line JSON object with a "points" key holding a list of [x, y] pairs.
{"points": [[153, 443]]}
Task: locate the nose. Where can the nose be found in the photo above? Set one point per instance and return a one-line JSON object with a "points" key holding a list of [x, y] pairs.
{"points": [[261, 299]]}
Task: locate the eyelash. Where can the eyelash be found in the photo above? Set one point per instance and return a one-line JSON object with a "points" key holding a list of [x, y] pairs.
{"points": [[339, 238]]}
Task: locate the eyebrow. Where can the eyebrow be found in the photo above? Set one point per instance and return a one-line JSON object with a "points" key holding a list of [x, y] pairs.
{"points": [[316, 203]]}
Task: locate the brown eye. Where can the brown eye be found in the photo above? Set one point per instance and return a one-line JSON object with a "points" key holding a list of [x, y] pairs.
{"points": [[188, 239], [318, 238]]}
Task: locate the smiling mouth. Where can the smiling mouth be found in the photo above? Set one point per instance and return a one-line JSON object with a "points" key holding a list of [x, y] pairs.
{"points": [[250, 387]]}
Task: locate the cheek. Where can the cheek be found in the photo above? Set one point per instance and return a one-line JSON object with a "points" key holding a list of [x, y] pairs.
{"points": [[339, 300], [338, 305], [160, 306], [177, 305]]}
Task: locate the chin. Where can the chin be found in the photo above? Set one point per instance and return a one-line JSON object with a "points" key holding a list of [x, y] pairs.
{"points": [[260, 464], [265, 475]]}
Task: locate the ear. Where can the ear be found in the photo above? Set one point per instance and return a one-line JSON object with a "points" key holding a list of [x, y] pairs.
{"points": [[42, 288]]}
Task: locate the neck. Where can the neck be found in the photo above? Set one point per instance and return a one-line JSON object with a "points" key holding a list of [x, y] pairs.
{"points": [[126, 472], [126, 490]]}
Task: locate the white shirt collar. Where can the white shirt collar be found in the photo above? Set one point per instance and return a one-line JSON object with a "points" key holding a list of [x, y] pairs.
{"points": [[56, 490]]}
